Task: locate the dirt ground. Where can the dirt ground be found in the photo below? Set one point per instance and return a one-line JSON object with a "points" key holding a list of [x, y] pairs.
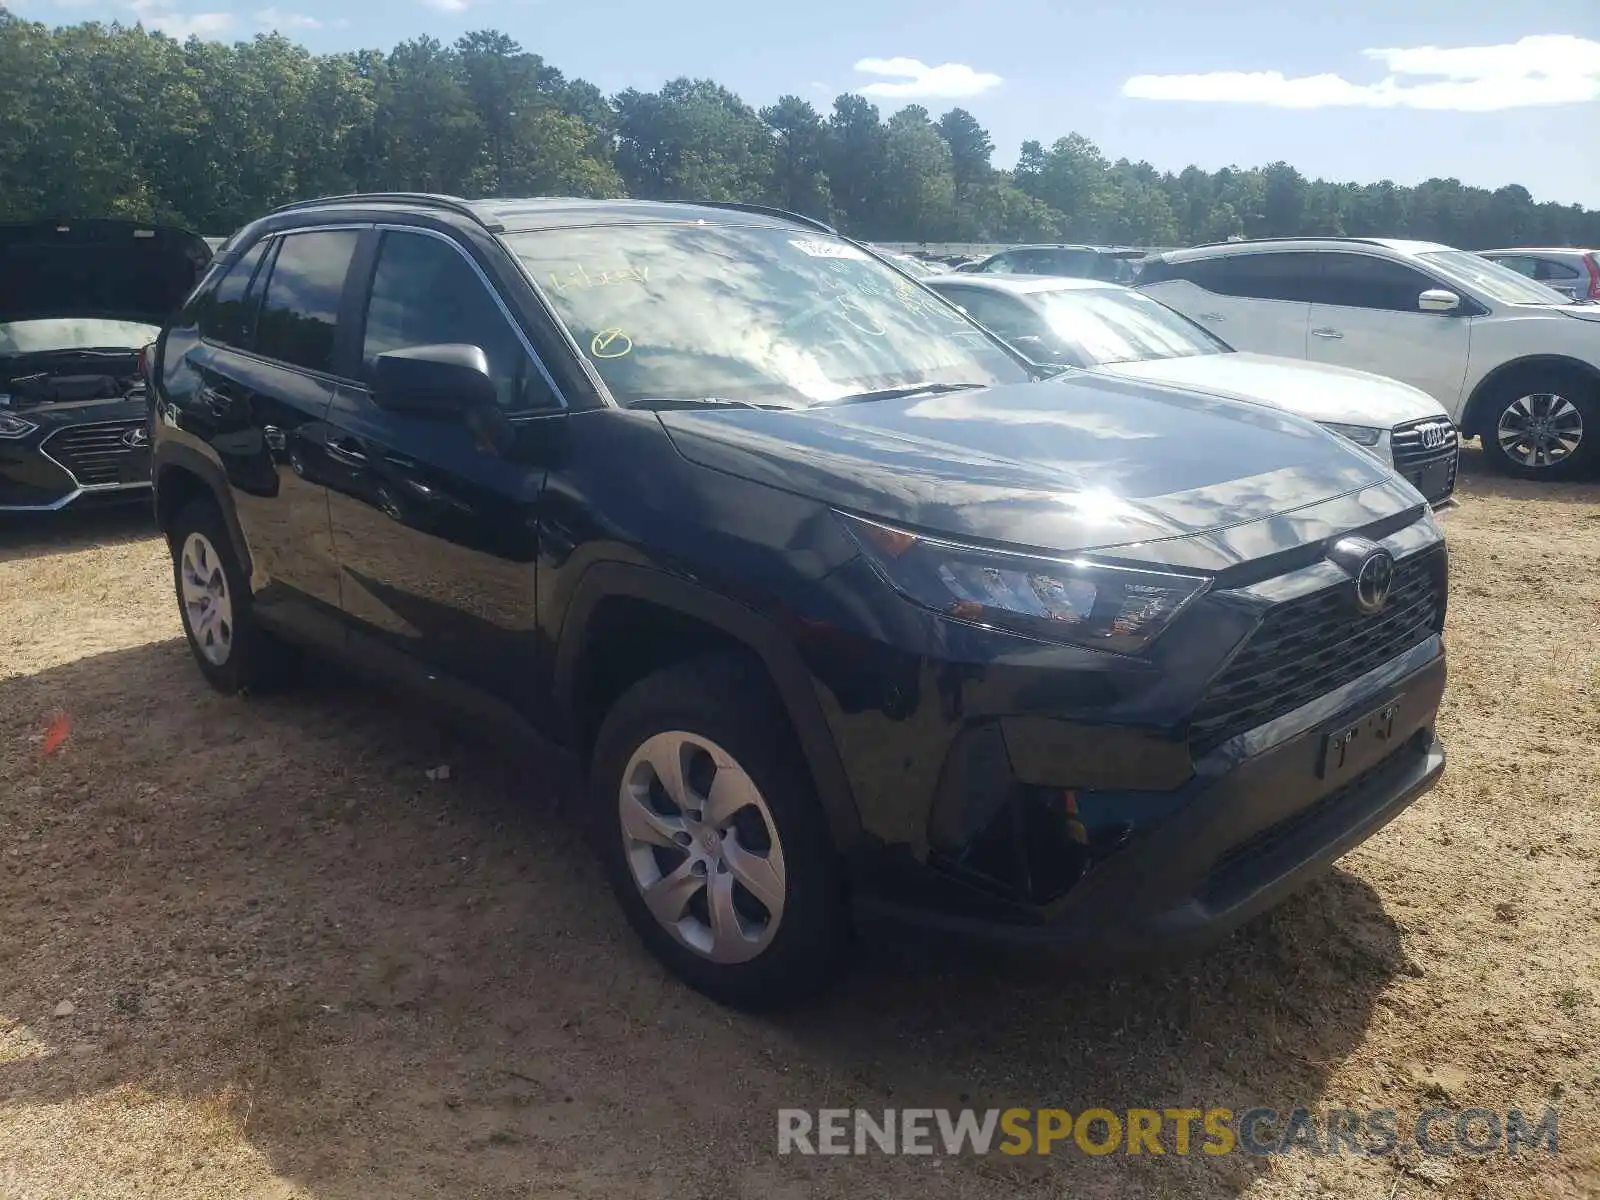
{"points": [[250, 949]]}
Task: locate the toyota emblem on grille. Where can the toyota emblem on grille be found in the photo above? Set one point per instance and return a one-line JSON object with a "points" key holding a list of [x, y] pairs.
{"points": [[1372, 568], [135, 438], [1434, 435]]}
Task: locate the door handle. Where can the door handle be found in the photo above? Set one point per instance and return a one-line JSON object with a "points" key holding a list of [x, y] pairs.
{"points": [[215, 401], [1325, 332], [346, 451], [1211, 316]]}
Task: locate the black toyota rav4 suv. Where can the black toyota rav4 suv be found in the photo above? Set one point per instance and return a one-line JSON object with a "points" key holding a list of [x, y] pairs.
{"points": [[842, 610]]}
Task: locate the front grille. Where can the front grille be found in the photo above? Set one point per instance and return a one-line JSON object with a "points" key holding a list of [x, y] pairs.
{"points": [[95, 454], [1412, 457], [1307, 647]]}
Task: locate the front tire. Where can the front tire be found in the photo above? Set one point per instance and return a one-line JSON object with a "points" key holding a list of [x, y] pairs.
{"points": [[714, 844], [232, 651], [1543, 425]]}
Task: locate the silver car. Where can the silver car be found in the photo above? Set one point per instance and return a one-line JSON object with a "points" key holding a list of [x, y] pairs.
{"points": [[1570, 271]]}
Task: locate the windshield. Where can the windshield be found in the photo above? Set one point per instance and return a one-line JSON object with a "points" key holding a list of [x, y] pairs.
{"points": [[73, 333], [1496, 281], [1105, 325], [769, 316]]}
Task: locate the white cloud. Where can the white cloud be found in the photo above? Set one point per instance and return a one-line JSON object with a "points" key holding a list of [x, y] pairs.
{"points": [[275, 18], [448, 6], [948, 81], [1553, 69], [162, 16]]}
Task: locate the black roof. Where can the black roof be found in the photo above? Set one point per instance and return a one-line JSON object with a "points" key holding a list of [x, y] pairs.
{"points": [[553, 212]]}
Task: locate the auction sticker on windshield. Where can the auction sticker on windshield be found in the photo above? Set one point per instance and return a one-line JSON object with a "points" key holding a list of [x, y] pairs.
{"points": [[821, 249]]}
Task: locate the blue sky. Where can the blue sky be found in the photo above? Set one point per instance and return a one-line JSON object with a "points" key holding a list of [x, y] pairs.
{"points": [[1483, 90]]}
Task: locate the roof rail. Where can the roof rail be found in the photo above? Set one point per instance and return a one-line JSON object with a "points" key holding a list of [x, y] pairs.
{"points": [[767, 210], [1298, 237], [453, 204]]}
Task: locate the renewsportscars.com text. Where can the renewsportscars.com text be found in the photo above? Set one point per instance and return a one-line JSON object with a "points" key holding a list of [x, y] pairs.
{"points": [[1182, 1131]]}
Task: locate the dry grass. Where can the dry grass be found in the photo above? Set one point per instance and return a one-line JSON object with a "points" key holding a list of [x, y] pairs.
{"points": [[298, 968]]}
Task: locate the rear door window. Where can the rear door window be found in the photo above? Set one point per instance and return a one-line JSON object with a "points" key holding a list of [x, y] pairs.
{"points": [[1284, 275], [299, 315]]}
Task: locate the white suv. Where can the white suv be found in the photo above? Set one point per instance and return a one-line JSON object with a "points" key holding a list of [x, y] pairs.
{"points": [[1512, 361]]}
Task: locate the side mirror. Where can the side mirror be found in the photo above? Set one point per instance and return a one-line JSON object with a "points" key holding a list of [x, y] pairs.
{"points": [[445, 380], [1437, 300]]}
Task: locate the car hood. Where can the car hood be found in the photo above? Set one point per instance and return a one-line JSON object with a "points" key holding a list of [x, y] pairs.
{"points": [[1321, 393], [1072, 463], [111, 270]]}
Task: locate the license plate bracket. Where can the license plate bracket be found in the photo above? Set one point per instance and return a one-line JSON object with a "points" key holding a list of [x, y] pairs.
{"points": [[1433, 479], [1353, 747]]}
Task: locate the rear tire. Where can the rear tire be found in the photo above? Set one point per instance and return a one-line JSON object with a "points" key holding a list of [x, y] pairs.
{"points": [[1543, 424], [714, 843], [232, 651]]}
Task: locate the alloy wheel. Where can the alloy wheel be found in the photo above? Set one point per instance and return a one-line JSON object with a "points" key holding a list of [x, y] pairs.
{"points": [[702, 846], [207, 608], [1540, 430]]}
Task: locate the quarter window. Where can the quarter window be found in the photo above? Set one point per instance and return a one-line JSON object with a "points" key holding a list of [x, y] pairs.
{"points": [[300, 308], [425, 293]]}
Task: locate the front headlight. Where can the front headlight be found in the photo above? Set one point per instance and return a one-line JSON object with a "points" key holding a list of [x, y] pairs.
{"points": [[1361, 435], [15, 427], [1120, 609]]}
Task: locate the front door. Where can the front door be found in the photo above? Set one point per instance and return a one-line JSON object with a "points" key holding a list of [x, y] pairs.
{"points": [[1366, 317], [435, 519]]}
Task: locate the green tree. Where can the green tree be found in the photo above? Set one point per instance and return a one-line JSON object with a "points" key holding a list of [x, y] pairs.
{"points": [[117, 120], [799, 151], [856, 164], [922, 201], [692, 140]]}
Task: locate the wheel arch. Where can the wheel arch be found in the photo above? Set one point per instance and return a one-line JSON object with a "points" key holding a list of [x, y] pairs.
{"points": [[666, 619], [1477, 406], [181, 475]]}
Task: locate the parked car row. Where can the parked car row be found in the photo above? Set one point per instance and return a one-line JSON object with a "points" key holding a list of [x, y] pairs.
{"points": [[850, 601], [1505, 342]]}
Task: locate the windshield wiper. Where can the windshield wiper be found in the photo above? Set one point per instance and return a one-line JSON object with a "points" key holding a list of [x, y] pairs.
{"points": [[899, 393], [666, 402]]}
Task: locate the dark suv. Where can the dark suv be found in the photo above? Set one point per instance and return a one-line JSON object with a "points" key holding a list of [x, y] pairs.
{"points": [[841, 608]]}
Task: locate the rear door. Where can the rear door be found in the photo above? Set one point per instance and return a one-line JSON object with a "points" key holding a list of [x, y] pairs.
{"points": [[258, 386], [1367, 317], [435, 521], [1258, 301]]}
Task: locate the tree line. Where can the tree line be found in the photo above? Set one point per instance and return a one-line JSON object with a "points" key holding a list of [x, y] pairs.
{"points": [[116, 121]]}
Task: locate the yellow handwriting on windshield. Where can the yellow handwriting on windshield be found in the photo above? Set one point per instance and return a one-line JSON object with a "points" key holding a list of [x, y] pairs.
{"points": [[580, 277], [610, 343]]}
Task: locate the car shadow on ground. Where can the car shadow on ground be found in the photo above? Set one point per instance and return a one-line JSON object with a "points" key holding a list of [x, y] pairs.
{"points": [[1487, 482], [274, 913], [35, 535]]}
